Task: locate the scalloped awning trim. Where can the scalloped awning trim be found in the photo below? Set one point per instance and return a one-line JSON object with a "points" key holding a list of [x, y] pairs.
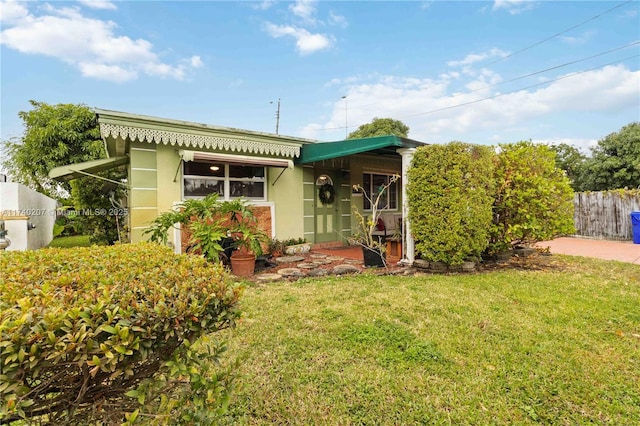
{"points": [[196, 141]]}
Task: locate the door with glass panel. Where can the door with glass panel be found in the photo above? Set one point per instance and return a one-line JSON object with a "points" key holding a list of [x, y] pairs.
{"points": [[327, 204]]}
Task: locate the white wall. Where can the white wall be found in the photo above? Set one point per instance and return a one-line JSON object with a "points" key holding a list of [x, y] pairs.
{"points": [[17, 201]]}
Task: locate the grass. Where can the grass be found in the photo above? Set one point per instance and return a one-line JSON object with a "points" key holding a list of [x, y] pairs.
{"points": [[554, 346], [72, 241]]}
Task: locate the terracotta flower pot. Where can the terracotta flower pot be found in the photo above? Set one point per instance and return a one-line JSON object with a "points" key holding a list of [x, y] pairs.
{"points": [[243, 264]]}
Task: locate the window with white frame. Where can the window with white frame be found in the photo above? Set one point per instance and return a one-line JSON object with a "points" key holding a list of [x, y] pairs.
{"points": [[373, 184], [227, 180]]}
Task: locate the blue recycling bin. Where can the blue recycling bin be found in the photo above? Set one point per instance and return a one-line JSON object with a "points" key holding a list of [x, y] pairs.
{"points": [[635, 227]]}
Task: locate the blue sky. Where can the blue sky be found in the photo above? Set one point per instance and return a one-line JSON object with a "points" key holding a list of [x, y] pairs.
{"points": [[222, 63]]}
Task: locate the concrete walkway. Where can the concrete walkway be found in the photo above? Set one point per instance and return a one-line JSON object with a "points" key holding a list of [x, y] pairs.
{"points": [[623, 251]]}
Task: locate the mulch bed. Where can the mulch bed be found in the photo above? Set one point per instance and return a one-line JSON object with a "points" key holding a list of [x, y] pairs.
{"points": [[266, 269]]}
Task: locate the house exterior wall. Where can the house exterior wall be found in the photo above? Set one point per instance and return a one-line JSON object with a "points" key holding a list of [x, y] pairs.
{"points": [[152, 171], [143, 195], [286, 192]]}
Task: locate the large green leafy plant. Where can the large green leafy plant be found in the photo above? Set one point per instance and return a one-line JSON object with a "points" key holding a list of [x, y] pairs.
{"points": [[450, 193], [209, 222], [107, 334]]}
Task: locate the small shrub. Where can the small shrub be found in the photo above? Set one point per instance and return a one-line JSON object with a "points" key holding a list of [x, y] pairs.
{"points": [[107, 334], [450, 193]]}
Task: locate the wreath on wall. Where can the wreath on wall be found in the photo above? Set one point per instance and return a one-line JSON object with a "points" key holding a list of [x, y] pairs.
{"points": [[327, 194]]}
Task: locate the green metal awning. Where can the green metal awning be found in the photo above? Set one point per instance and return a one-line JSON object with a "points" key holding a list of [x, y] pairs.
{"points": [[73, 171], [380, 145]]}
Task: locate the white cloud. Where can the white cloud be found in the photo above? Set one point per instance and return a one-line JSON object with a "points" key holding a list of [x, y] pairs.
{"points": [[91, 45], [425, 5], [263, 5], [304, 9], [478, 57], [12, 11], [579, 39], [106, 72], [306, 42], [337, 20], [584, 145], [98, 4], [195, 62], [514, 7], [434, 111]]}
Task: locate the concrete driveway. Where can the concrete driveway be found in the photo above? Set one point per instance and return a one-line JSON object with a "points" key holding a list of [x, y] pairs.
{"points": [[623, 251]]}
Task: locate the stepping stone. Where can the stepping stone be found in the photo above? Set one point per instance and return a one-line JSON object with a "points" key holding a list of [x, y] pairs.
{"points": [[289, 259], [353, 262], [322, 261], [345, 269], [310, 265], [318, 273], [334, 258], [318, 256], [268, 278], [291, 273]]}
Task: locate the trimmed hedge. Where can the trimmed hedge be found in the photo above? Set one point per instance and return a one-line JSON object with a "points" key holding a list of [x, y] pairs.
{"points": [[105, 334], [450, 194]]}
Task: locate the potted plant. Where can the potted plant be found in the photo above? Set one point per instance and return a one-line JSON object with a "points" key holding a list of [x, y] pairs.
{"points": [[373, 250], [201, 220], [276, 247], [217, 230], [247, 237]]}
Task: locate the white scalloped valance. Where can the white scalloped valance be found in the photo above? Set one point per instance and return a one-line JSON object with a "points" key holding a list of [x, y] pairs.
{"points": [[196, 141]]}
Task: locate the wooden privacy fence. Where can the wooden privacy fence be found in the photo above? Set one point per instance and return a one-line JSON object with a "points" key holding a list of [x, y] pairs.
{"points": [[605, 214]]}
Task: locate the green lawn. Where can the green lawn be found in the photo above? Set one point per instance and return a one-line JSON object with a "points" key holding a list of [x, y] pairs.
{"points": [[73, 241], [517, 346]]}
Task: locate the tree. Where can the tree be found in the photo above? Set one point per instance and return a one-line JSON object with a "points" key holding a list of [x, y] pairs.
{"points": [[57, 135], [615, 161], [534, 200], [571, 160], [450, 194], [380, 127]]}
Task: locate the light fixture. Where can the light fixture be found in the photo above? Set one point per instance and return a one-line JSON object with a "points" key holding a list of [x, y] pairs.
{"points": [[214, 168]]}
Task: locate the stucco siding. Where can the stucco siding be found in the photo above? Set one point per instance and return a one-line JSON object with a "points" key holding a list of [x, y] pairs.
{"points": [[144, 189], [169, 168], [287, 195]]}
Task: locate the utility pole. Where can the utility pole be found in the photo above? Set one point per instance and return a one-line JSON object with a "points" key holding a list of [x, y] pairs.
{"points": [[277, 116], [346, 119]]}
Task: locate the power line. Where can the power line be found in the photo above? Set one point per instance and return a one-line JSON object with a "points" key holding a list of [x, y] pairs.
{"points": [[550, 69], [524, 76], [558, 34], [517, 90], [544, 41]]}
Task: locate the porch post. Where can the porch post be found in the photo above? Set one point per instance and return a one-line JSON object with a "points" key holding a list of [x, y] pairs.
{"points": [[408, 245]]}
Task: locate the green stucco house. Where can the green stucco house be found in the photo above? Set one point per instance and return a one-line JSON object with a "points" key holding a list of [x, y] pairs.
{"points": [[168, 161]]}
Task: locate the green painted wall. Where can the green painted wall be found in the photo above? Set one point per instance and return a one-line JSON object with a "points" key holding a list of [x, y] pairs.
{"points": [[168, 164], [143, 204], [286, 192], [308, 197]]}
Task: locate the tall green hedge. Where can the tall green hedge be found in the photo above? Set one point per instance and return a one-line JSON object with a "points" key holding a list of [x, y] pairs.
{"points": [[108, 334], [534, 199], [450, 193]]}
